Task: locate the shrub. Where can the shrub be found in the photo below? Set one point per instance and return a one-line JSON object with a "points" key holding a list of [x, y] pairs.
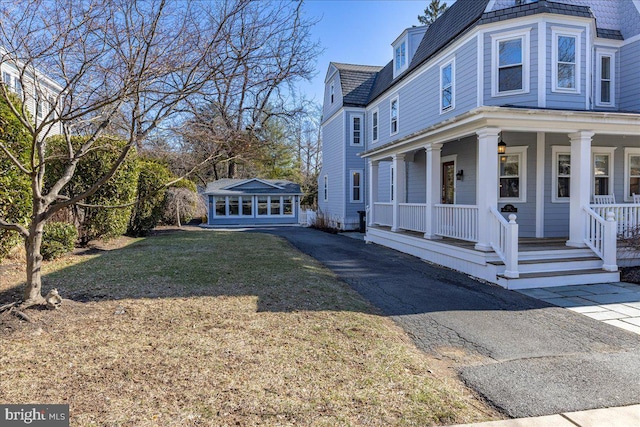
{"points": [[58, 239], [151, 200]]}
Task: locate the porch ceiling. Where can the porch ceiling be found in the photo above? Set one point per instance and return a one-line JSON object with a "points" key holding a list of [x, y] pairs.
{"points": [[512, 119]]}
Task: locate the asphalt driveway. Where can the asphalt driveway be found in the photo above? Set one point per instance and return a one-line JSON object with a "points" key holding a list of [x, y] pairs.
{"points": [[527, 357]]}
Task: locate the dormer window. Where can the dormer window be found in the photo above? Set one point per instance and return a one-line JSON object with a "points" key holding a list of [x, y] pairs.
{"points": [[401, 56]]}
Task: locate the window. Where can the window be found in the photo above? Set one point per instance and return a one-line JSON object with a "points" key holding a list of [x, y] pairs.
{"points": [[374, 125], [326, 188], [234, 205], [602, 167], [401, 56], [287, 205], [6, 79], [446, 87], [221, 206], [510, 58], [605, 79], [332, 92], [275, 205], [263, 205], [566, 60], [356, 186], [394, 116], [632, 173], [356, 130], [561, 182], [512, 175], [246, 206]]}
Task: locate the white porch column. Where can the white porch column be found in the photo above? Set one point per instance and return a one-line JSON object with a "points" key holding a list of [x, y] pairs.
{"points": [[580, 186], [433, 185], [373, 188], [399, 184], [487, 183]]}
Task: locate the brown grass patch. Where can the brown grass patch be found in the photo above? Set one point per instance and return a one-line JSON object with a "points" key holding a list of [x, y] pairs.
{"points": [[220, 328]]}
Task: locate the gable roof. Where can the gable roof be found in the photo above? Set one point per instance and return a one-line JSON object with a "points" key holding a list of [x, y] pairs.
{"points": [[458, 18], [356, 82], [541, 6], [233, 187]]}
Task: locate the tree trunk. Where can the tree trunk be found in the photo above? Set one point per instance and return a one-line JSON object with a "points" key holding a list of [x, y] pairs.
{"points": [[33, 287], [231, 171], [178, 209]]}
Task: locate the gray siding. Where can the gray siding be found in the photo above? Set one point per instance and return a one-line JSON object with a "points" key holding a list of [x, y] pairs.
{"points": [[384, 182], [466, 150], [419, 100], [329, 107], [629, 81], [529, 99], [332, 166], [416, 178]]}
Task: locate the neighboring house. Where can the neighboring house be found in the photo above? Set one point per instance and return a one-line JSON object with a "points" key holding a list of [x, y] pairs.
{"points": [[496, 140], [252, 202]]}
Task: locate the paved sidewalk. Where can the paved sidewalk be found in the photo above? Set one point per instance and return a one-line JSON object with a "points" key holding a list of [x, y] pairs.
{"points": [[617, 304], [624, 416]]}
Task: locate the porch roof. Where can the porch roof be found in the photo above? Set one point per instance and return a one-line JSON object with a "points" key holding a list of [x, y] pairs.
{"points": [[516, 119]]}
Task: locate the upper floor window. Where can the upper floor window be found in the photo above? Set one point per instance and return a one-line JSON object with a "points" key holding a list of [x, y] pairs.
{"points": [[356, 130], [605, 84], [394, 116], [332, 92], [374, 126], [510, 58], [401, 56], [447, 87], [566, 60]]}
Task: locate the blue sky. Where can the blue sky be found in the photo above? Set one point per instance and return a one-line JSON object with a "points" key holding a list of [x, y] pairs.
{"points": [[357, 32]]}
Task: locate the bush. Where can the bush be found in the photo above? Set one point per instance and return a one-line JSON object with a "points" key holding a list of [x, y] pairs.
{"points": [[151, 200], [58, 239]]}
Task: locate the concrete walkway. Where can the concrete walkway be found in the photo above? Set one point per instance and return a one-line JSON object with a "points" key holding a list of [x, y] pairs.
{"points": [[525, 356], [626, 416]]}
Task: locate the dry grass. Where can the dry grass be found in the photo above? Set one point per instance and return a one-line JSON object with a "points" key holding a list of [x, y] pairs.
{"points": [[213, 329]]}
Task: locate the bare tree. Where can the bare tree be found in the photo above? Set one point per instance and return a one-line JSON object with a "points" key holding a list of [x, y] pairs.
{"points": [[87, 67]]}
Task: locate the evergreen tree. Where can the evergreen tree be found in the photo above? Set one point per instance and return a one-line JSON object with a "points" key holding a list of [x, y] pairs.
{"points": [[432, 12]]}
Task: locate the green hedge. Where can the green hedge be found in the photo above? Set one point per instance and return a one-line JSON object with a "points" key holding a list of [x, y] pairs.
{"points": [[58, 239]]}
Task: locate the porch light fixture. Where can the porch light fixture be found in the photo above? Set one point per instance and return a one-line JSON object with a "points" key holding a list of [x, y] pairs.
{"points": [[459, 175], [502, 146]]}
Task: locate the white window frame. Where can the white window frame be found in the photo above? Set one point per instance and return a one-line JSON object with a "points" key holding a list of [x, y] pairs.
{"points": [[375, 125], [556, 33], [628, 152], [395, 99], [352, 172], [452, 86], [496, 39], [353, 125], [557, 150], [520, 151], [611, 54], [326, 188], [332, 91], [609, 151], [400, 51]]}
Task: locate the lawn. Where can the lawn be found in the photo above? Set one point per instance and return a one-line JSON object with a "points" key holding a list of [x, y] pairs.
{"points": [[201, 328]]}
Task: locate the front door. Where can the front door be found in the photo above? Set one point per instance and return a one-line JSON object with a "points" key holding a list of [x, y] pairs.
{"points": [[448, 182]]}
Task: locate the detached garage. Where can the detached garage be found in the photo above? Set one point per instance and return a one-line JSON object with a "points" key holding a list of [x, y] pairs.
{"points": [[252, 202]]}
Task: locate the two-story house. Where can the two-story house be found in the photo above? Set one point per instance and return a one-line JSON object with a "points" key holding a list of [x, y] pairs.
{"points": [[503, 141]]}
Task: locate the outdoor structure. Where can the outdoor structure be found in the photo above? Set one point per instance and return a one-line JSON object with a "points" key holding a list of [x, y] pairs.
{"points": [[252, 202], [489, 140]]}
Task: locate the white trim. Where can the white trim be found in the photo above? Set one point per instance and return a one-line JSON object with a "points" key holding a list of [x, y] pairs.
{"points": [[351, 186], [399, 43], [631, 40], [540, 168], [451, 63], [601, 53], [609, 151], [628, 152], [395, 98], [246, 181], [496, 39], [391, 189], [375, 136], [490, 6], [588, 72], [557, 32], [556, 150], [521, 152], [332, 92], [352, 130], [451, 158], [542, 64], [480, 68], [325, 188]]}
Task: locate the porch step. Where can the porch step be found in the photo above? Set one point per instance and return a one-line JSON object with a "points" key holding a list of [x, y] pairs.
{"points": [[559, 278], [553, 264]]}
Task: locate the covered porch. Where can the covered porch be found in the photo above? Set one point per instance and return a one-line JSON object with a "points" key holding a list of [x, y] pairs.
{"points": [[534, 195]]}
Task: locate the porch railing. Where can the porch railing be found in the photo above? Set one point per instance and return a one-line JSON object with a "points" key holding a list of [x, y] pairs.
{"points": [[383, 213], [626, 215], [600, 236], [504, 241], [456, 221], [413, 216]]}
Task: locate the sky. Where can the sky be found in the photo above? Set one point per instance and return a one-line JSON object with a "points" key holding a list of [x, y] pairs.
{"points": [[357, 32]]}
